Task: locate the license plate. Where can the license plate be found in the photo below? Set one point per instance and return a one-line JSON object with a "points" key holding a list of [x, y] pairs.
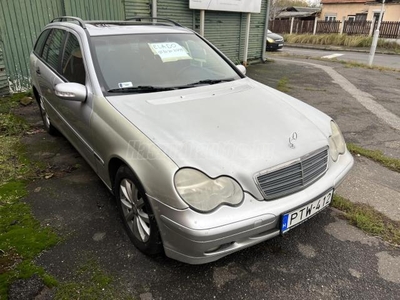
{"points": [[280, 45], [305, 212]]}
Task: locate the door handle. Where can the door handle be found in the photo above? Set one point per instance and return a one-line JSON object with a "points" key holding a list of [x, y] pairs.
{"points": [[38, 71]]}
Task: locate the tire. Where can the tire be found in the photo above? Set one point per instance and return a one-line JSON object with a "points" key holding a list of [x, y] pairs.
{"points": [[136, 213], [45, 117]]}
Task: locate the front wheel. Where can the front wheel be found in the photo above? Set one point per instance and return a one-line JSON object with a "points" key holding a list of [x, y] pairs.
{"points": [[136, 212]]}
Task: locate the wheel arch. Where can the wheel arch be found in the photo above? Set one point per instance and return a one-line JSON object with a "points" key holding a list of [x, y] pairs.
{"points": [[113, 166], [35, 93]]}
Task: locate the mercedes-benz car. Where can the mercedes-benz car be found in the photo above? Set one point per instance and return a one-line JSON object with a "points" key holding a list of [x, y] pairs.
{"points": [[203, 161]]}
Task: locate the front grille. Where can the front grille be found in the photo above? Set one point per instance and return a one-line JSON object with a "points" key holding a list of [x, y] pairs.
{"points": [[292, 177]]}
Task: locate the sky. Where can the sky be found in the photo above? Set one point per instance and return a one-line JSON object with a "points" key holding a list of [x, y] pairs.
{"points": [[315, 2]]}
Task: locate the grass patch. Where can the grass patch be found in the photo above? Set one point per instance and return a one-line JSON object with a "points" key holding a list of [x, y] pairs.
{"points": [[335, 39], [91, 283], [20, 232], [22, 237], [377, 156], [283, 85], [369, 220], [12, 125], [354, 64], [8, 103]]}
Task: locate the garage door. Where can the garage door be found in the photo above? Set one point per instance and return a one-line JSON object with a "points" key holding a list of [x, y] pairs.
{"points": [[135, 8]]}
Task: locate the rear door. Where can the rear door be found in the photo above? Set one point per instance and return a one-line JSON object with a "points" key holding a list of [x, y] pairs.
{"points": [[47, 68], [36, 56]]}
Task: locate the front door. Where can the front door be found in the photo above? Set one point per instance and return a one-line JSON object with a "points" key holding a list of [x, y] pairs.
{"points": [[63, 61], [75, 115]]}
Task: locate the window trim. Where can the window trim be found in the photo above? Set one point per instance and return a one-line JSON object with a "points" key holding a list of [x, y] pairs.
{"points": [[57, 71], [361, 17], [330, 18], [101, 81], [47, 33], [68, 33], [377, 13]]}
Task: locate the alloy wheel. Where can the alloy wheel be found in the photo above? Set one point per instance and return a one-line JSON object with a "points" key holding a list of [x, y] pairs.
{"points": [[134, 210]]}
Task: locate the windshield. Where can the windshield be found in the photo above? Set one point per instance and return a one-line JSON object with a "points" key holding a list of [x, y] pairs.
{"points": [[155, 62]]}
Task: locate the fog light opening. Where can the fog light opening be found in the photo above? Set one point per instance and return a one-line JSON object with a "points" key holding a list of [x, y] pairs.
{"points": [[219, 248]]}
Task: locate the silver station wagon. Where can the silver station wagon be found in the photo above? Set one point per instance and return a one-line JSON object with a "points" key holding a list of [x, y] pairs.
{"points": [[203, 161]]}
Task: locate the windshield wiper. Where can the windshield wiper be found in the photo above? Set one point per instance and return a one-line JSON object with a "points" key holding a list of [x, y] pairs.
{"points": [[141, 89], [150, 88], [206, 81]]}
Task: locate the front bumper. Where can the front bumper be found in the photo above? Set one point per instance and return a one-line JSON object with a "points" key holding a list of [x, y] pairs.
{"points": [[274, 46], [198, 238]]}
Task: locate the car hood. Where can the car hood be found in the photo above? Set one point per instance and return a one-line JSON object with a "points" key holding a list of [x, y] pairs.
{"points": [[237, 128], [274, 36]]}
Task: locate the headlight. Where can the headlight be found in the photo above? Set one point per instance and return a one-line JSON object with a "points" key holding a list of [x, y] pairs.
{"points": [[337, 144], [270, 40], [204, 193]]}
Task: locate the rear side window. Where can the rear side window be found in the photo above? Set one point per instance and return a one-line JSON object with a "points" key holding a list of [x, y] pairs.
{"points": [[40, 42], [52, 48], [72, 66]]}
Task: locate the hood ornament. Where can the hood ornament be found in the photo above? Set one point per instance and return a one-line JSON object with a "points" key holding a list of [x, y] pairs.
{"points": [[292, 138]]}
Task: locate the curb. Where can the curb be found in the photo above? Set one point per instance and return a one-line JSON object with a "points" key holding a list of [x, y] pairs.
{"points": [[337, 48]]}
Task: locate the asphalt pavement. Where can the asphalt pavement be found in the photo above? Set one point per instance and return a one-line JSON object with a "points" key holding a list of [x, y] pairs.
{"points": [[324, 258]]}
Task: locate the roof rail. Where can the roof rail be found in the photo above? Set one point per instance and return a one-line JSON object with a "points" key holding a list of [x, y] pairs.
{"points": [[127, 21], [138, 18], [66, 18]]}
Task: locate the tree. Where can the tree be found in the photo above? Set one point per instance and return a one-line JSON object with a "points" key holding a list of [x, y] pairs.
{"points": [[277, 5], [289, 3]]}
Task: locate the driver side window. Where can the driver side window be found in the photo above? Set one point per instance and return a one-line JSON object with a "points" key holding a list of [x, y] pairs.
{"points": [[72, 66]]}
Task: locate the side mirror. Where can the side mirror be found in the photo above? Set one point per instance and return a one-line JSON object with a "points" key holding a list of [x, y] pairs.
{"points": [[241, 69], [71, 91]]}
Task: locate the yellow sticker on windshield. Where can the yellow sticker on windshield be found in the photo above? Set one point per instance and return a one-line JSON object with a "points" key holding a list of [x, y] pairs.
{"points": [[169, 51]]}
